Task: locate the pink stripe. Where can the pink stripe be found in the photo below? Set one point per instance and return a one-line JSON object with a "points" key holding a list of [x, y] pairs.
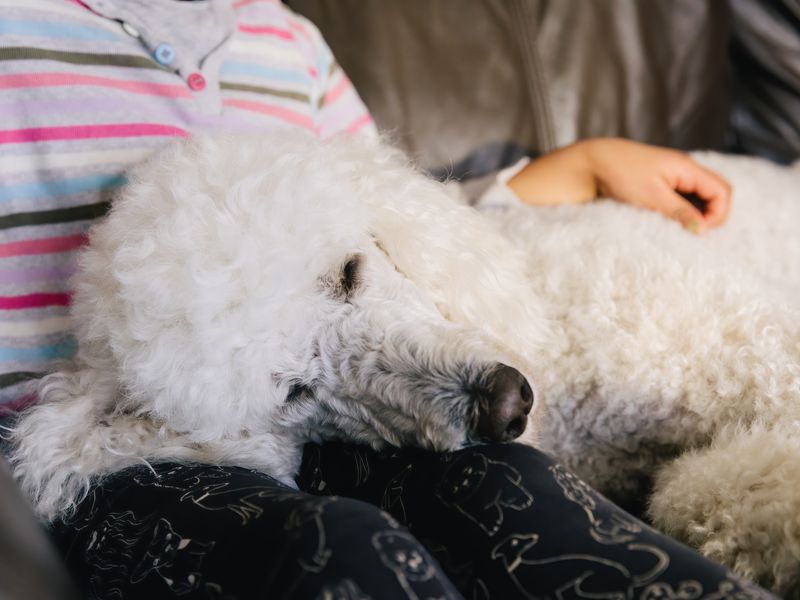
{"points": [[26, 80], [359, 123], [299, 28], [34, 301], [284, 34], [83, 132], [43, 246], [8, 408], [242, 3], [281, 113], [337, 90]]}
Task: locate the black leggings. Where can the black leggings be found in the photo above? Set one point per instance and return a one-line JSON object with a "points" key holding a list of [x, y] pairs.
{"points": [[497, 522]]}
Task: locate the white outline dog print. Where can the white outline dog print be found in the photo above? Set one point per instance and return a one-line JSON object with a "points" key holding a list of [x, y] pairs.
{"points": [[415, 573], [580, 575], [466, 475], [617, 528]]}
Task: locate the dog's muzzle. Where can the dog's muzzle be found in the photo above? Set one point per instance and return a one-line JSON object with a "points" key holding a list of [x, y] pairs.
{"points": [[503, 405]]}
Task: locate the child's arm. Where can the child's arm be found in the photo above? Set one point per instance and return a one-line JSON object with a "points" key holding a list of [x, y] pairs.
{"points": [[642, 175]]}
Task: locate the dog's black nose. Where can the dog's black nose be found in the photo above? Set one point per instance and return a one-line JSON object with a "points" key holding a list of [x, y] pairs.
{"points": [[503, 406]]}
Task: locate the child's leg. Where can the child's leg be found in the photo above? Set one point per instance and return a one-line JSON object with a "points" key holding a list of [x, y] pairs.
{"points": [[505, 521], [196, 531]]}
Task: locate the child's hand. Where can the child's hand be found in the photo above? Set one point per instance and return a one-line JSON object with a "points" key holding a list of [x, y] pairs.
{"points": [[642, 175], [651, 177]]}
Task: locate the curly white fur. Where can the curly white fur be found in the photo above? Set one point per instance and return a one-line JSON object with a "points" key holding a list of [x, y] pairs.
{"points": [[215, 324], [678, 344]]}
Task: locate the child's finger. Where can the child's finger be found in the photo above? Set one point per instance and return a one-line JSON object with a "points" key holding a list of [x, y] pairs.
{"points": [[713, 189], [673, 206]]}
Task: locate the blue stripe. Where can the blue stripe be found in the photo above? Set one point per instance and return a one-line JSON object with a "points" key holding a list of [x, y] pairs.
{"points": [[237, 68], [55, 30], [61, 187], [65, 349], [323, 64]]}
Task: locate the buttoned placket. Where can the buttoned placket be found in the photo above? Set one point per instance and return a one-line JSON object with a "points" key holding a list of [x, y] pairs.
{"points": [[200, 74]]}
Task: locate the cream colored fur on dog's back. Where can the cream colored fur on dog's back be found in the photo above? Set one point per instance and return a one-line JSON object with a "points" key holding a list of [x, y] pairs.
{"points": [[682, 344]]}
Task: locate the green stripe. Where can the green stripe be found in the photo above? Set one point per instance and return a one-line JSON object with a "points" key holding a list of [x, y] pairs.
{"points": [[8, 379], [59, 215], [79, 58], [331, 72], [257, 89]]}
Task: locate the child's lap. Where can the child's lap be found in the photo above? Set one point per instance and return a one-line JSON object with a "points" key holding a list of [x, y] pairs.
{"points": [[502, 521]]}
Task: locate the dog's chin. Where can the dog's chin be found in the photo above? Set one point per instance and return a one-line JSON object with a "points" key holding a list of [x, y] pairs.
{"points": [[448, 440], [451, 437], [472, 438], [443, 442]]}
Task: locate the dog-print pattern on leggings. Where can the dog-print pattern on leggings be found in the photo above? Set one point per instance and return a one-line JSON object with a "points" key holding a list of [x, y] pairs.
{"points": [[614, 528], [484, 523], [544, 534], [461, 486], [128, 556], [125, 548]]}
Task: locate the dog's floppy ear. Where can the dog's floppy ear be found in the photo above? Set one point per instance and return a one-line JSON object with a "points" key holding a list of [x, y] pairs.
{"points": [[473, 273]]}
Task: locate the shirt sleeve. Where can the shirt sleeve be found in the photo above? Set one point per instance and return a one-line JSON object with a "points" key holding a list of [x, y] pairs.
{"points": [[338, 107], [492, 191]]}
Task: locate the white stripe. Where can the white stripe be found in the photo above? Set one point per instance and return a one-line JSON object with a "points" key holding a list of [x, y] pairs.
{"points": [[30, 162], [262, 49], [31, 328]]}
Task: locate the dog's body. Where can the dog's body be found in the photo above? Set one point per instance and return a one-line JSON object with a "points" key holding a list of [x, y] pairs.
{"points": [[682, 363], [244, 297]]}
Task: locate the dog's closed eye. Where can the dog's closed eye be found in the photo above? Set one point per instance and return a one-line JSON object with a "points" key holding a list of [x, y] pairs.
{"points": [[350, 273], [346, 279]]}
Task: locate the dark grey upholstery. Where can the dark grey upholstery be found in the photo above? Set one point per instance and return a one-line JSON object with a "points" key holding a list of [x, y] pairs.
{"points": [[765, 55], [469, 86], [29, 566], [477, 83]]}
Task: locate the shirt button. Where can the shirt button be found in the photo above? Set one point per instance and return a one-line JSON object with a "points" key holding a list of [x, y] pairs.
{"points": [[164, 54], [197, 82]]}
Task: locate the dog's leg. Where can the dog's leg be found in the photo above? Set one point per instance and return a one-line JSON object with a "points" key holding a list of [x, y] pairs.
{"points": [[70, 435], [738, 502], [77, 433]]}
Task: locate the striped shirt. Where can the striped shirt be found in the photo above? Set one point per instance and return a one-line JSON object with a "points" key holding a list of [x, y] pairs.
{"points": [[88, 89]]}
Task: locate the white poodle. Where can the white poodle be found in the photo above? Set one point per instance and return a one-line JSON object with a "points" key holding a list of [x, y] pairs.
{"points": [[246, 296]]}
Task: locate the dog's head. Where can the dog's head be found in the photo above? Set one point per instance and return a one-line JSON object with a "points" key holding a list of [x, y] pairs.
{"points": [[243, 286]]}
